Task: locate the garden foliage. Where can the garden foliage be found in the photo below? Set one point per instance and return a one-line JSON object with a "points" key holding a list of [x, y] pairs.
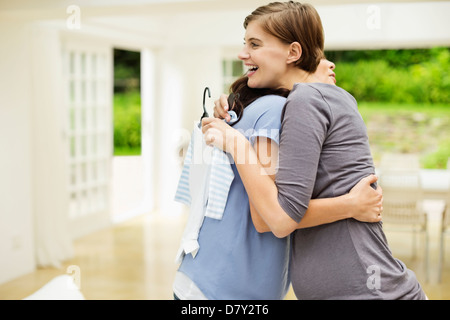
{"points": [[399, 76]]}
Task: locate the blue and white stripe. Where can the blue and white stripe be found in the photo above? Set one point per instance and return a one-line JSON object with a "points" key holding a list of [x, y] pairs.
{"points": [[220, 180], [183, 193], [221, 177]]}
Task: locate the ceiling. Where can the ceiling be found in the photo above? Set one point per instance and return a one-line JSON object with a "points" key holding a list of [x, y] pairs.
{"points": [[53, 8], [161, 20]]}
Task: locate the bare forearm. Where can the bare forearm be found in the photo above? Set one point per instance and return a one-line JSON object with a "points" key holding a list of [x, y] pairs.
{"points": [[320, 211], [261, 189], [323, 211]]}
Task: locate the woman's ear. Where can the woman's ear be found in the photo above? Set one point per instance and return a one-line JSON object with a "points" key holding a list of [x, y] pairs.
{"points": [[295, 52]]}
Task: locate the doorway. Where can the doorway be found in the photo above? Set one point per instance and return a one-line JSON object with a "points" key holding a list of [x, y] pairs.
{"points": [[127, 164]]}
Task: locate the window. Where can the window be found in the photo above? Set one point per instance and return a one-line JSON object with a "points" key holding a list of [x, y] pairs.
{"points": [[232, 69]]}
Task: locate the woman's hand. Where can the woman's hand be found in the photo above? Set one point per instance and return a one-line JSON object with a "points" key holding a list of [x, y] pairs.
{"points": [[368, 202], [219, 134], [221, 108]]}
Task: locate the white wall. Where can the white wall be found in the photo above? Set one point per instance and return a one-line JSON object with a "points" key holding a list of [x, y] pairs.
{"points": [[183, 74], [33, 164], [49, 148], [386, 25], [16, 185], [348, 24]]}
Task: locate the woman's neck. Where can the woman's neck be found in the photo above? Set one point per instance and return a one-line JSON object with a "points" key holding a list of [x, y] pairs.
{"points": [[298, 76]]}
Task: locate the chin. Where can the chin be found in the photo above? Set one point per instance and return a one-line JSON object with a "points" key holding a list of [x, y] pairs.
{"points": [[254, 85]]}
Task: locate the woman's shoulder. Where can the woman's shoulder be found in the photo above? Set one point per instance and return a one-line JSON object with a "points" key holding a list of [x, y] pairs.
{"points": [[305, 95], [270, 100], [264, 112], [266, 104], [320, 94], [314, 90]]}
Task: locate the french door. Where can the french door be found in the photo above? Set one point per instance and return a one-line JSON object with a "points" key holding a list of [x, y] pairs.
{"points": [[88, 83]]}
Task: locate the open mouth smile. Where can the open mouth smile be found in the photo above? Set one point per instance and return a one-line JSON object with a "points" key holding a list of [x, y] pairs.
{"points": [[251, 69]]}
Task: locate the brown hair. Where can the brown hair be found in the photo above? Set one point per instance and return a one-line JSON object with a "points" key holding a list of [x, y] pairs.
{"points": [[293, 22], [246, 95]]}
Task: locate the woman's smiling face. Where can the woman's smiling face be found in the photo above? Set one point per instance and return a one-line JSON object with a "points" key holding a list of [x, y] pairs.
{"points": [[265, 57]]}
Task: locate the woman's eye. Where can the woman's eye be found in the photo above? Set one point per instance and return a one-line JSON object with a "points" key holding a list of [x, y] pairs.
{"points": [[251, 44]]}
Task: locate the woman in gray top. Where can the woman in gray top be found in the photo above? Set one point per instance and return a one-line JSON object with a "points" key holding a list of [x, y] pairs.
{"points": [[323, 152]]}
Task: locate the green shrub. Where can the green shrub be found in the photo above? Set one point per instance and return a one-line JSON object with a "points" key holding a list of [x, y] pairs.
{"points": [[422, 129], [438, 159], [127, 123], [377, 79]]}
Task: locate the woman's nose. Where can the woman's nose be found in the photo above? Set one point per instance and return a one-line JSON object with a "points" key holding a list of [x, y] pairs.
{"points": [[243, 54], [332, 65]]}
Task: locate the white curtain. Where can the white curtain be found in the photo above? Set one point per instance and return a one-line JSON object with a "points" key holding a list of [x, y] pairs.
{"points": [[50, 181]]}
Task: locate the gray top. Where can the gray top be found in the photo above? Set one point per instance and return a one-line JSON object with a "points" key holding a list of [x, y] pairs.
{"points": [[324, 152]]}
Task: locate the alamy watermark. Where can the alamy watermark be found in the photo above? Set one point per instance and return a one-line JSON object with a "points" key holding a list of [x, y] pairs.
{"points": [[374, 280], [202, 153], [74, 283], [373, 21], [73, 21]]}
